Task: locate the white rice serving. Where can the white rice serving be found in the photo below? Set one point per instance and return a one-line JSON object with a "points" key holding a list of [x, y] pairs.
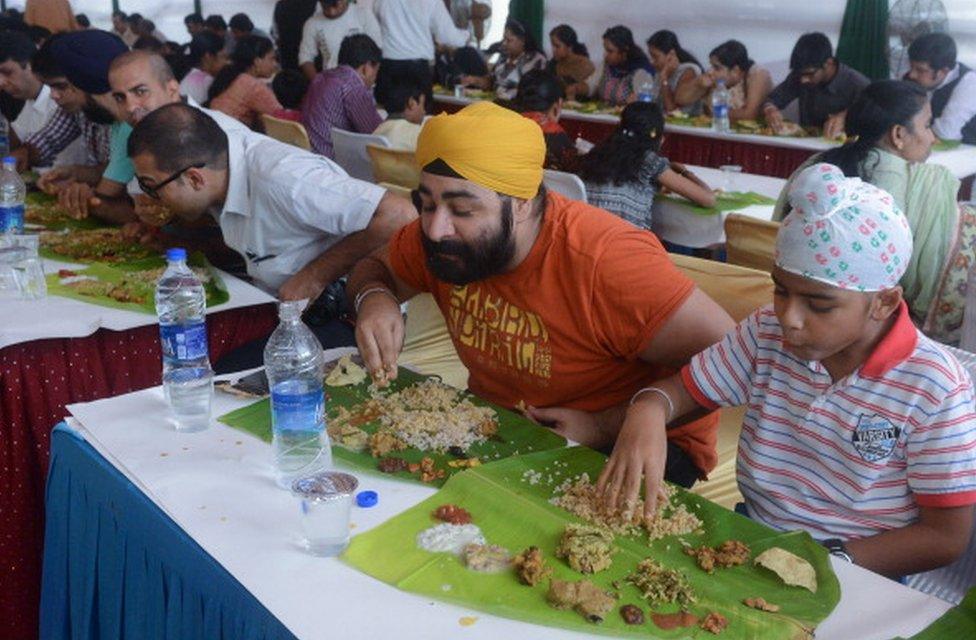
{"points": [[450, 538]]}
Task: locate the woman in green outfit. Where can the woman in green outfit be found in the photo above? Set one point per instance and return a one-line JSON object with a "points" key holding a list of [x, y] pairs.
{"points": [[890, 137]]}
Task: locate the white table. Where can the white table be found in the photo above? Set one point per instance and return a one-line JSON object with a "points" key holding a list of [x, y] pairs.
{"points": [[217, 486], [57, 317], [961, 161], [676, 223]]}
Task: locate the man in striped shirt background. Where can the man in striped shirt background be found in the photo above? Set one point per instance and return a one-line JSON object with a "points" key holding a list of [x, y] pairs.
{"points": [[859, 429]]}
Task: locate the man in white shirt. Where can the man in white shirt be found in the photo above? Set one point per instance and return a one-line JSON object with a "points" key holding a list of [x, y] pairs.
{"points": [[410, 30], [951, 86], [297, 219], [323, 33], [18, 81]]}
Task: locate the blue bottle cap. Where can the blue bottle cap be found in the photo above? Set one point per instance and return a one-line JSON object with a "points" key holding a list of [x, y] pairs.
{"points": [[367, 499], [176, 253]]}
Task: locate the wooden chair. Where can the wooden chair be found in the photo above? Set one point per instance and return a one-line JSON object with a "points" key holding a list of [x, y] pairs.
{"points": [[750, 242], [286, 131], [566, 184], [739, 291], [350, 152], [394, 166]]}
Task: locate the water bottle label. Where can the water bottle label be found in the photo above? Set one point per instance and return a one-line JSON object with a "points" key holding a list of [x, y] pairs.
{"points": [[298, 411], [184, 341], [721, 111], [644, 97], [12, 218]]}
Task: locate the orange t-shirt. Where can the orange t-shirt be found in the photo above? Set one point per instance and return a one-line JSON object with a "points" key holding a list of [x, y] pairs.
{"points": [[566, 327]]}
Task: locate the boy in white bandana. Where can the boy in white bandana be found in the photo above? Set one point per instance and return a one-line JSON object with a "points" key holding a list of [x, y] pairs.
{"points": [[859, 429]]}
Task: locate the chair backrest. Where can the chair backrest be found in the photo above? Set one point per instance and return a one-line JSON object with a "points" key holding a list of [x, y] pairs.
{"points": [[351, 155], [286, 131], [395, 189], [750, 242], [394, 166], [738, 290], [566, 184]]}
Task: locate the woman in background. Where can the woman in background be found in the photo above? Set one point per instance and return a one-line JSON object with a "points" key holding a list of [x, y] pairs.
{"points": [[625, 68], [207, 58], [748, 83], [624, 172], [521, 54], [240, 89], [677, 70], [570, 61], [540, 98]]}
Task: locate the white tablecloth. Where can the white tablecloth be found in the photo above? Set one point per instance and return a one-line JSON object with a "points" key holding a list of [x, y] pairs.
{"points": [[57, 317], [961, 161], [676, 223], [217, 485]]}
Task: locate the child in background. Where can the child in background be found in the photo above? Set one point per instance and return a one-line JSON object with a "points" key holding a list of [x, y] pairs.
{"points": [[404, 98], [289, 86], [859, 429]]}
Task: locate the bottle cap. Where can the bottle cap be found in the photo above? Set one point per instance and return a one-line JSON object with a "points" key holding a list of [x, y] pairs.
{"points": [[367, 499], [175, 254]]}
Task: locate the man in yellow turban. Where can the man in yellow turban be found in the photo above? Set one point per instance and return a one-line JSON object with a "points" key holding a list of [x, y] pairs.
{"points": [[550, 302]]}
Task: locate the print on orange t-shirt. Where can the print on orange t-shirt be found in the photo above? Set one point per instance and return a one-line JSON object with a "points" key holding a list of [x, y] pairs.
{"points": [[567, 326]]}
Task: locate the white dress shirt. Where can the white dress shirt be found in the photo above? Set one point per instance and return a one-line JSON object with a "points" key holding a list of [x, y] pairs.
{"points": [[960, 109], [410, 28], [285, 207], [320, 35], [196, 84], [35, 114]]}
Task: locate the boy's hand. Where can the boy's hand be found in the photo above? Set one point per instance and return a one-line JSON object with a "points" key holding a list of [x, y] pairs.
{"points": [[640, 451]]}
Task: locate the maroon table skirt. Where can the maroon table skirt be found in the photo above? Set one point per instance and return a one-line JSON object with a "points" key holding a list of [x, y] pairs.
{"points": [[37, 380]]}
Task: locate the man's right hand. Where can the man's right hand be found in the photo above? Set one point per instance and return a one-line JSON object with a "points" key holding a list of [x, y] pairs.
{"points": [[76, 199], [379, 334], [53, 181]]}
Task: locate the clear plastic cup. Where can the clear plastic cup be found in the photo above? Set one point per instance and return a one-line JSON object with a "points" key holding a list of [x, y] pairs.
{"points": [[326, 503], [730, 173], [29, 269], [10, 257]]}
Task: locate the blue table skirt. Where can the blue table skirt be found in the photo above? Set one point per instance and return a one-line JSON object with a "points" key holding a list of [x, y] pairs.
{"points": [[116, 566]]}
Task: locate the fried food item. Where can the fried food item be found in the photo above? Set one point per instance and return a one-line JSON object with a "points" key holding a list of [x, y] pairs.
{"points": [[668, 621], [588, 549], [730, 553], [466, 463], [632, 614], [486, 558], [589, 600], [103, 245], [660, 585], [761, 604], [531, 567], [714, 623], [348, 436], [392, 465], [382, 443], [345, 373], [427, 471], [452, 513], [791, 568]]}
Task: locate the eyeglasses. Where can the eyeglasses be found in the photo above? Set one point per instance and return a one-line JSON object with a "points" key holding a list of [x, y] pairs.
{"points": [[153, 190]]}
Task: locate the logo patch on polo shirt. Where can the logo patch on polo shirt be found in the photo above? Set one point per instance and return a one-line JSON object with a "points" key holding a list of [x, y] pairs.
{"points": [[875, 437]]}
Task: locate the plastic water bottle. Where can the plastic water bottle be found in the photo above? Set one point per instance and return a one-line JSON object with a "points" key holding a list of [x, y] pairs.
{"points": [[295, 366], [4, 136], [12, 194], [720, 108], [646, 91], [181, 305]]}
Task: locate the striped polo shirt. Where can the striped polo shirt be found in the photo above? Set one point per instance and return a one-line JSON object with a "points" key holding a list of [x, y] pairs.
{"points": [[850, 458]]}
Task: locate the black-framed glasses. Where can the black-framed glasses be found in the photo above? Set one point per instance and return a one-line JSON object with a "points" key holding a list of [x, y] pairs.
{"points": [[153, 190]]}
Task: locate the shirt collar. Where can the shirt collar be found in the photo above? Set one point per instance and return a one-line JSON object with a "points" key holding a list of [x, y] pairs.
{"points": [[894, 348], [951, 77], [238, 184], [40, 103]]}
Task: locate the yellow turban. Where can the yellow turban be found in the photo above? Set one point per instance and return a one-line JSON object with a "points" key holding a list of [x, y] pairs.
{"points": [[488, 145]]}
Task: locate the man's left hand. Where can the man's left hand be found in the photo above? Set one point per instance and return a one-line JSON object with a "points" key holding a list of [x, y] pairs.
{"points": [[301, 286]]}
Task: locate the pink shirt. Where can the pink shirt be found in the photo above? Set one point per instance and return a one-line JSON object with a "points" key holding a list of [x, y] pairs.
{"points": [[246, 99]]}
